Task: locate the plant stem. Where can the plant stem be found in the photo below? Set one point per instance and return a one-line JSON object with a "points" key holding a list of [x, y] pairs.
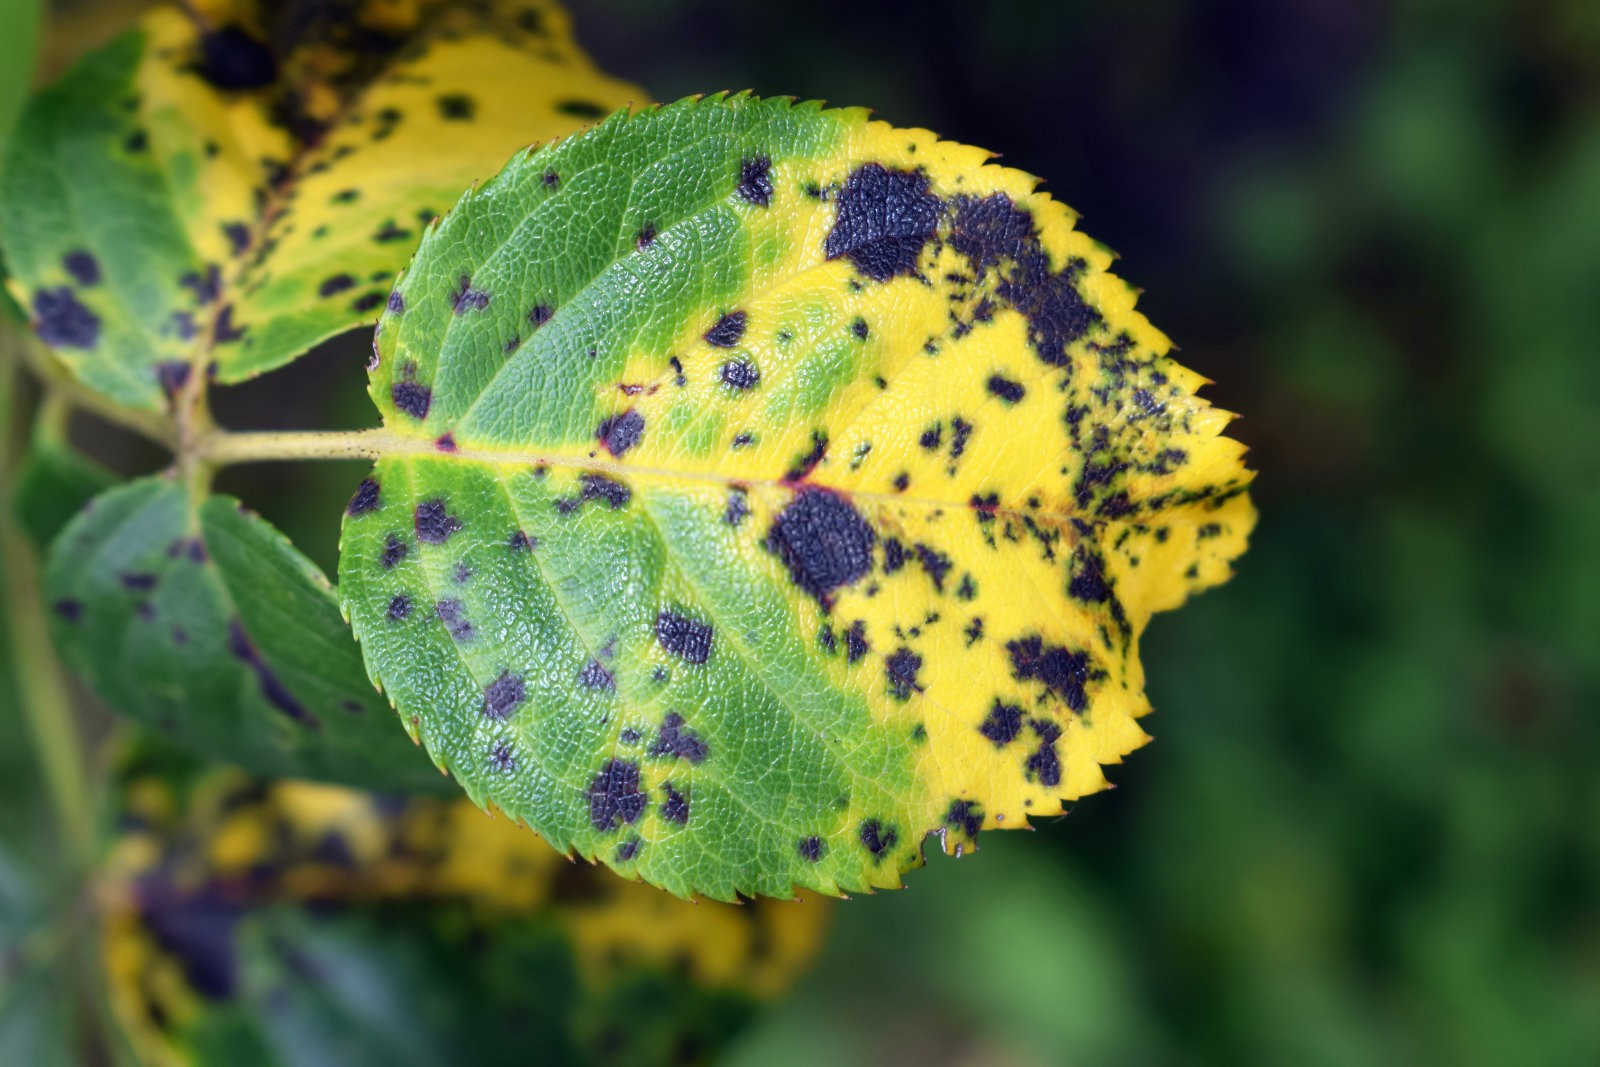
{"points": [[56, 380], [222, 448]]}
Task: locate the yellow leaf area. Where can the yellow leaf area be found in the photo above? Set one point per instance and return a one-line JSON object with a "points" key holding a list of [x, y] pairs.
{"points": [[930, 338], [299, 151], [206, 857]]}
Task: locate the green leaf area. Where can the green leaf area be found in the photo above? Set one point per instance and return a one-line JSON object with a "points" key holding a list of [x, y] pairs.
{"points": [[202, 621]]}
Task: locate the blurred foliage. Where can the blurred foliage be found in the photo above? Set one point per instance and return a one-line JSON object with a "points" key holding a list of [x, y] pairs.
{"points": [[1369, 828]]}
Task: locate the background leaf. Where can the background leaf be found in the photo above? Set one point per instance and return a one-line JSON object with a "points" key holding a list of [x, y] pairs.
{"points": [[286, 923], [53, 482], [201, 620], [771, 488], [222, 191]]}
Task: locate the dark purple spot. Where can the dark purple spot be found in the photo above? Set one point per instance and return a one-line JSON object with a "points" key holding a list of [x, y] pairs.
{"points": [[902, 667], [453, 614], [675, 808], [271, 687], [894, 555], [676, 739], [501, 758], [391, 232], [595, 676], [966, 816], [205, 287], [645, 237], [223, 330], [501, 696], [935, 563], [365, 499], [336, 284], [1006, 389], [456, 107], [884, 220], [519, 541], [824, 542], [614, 795], [83, 267], [581, 109], [540, 315], [628, 849], [728, 330], [740, 374], [394, 550], [397, 303], [1062, 672], [621, 432], [755, 180], [1044, 764], [366, 302], [1002, 724], [434, 524], [445, 442], [811, 849], [231, 59], [1089, 578], [859, 328], [807, 461], [61, 320], [855, 641], [172, 375], [467, 298], [877, 838], [399, 608], [140, 581], [238, 235], [686, 638], [69, 610], [738, 508]]}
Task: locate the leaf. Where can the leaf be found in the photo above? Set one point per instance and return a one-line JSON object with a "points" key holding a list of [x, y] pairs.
{"points": [[290, 923], [53, 483], [21, 20], [200, 619], [767, 488], [184, 199]]}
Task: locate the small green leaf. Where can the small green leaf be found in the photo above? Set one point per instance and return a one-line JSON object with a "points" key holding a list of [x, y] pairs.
{"points": [[53, 483], [21, 21], [767, 488], [191, 198], [203, 621]]}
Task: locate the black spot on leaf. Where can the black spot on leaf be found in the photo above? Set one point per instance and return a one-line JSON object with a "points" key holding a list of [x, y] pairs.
{"points": [[621, 432], [365, 498], [1089, 578], [966, 816], [811, 848], [728, 330], [1062, 672], [456, 107], [501, 758], [1006, 389], [738, 508], [62, 321], [885, 218], [434, 524], [1044, 764], [399, 608], [595, 676], [411, 398], [675, 808], [676, 739], [823, 541], [686, 638], [453, 614], [231, 59], [466, 298], [394, 550], [1002, 724], [855, 641], [901, 668], [501, 696], [755, 180], [740, 374], [238, 235], [276, 693], [83, 267], [172, 375], [614, 795], [335, 284], [69, 610], [581, 109], [397, 303], [540, 315], [877, 838]]}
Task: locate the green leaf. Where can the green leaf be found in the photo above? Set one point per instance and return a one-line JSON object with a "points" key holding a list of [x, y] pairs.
{"points": [[185, 199], [203, 621], [285, 923], [765, 488], [53, 483], [21, 20]]}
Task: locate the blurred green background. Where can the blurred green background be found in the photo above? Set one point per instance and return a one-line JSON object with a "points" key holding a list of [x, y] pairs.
{"points": [[1369, 828]]}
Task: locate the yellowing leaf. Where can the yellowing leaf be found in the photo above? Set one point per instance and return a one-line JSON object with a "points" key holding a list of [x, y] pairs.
{"points": [[221, 190], [767, 488]]}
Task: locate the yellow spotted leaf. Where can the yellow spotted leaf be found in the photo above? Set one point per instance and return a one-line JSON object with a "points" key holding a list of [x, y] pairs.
{"points": [[229, 184], [765, 488]]}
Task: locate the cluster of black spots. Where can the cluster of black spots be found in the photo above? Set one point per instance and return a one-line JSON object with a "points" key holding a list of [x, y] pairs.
{"points": [[807, 461], [885, 219], [181, 323], [222, 330], [738, 508], [811, 848], [501, 759], [675, 808], [614, 795], [1089, 578], [628, 849], [400, 608], [755, 180], [855, 641], [1063, 672], [823, 541], [614, 494], [520, 542], [859, 328], [61, 320], [894, 555], [1005, 388], [335, 284], [68, 609], [1044, 763], [503, 695], [466, 298], [989, 230], [877, 838], [434, 524], [901, 669], [688, 639], [454, 616], [456, 107], [394, 550], [629, 736], [365, 498], [206, 286], [172, 375], [231, 59], [676, 739], [391, 232], [581, 109], [238, 236], [595, 676], [728, 330], [645, 237], [968, 589], [277, 694], [960, 433], [1002, 724], [83, 267], [826, 640], [966, 816], [618, 433], [931, 437], [934, 563], [740, 374]]}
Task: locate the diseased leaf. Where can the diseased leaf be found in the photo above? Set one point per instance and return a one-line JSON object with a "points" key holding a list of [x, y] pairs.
{"points": [[53, 483], [203, 621], [225, 199], [770, 488], [285, 923]]}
